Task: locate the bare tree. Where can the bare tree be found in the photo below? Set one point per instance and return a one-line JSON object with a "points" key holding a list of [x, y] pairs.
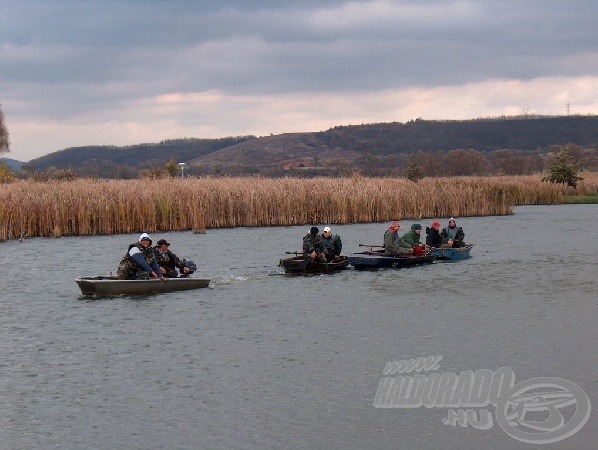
{"points": [[4, 142], [464, 162]]}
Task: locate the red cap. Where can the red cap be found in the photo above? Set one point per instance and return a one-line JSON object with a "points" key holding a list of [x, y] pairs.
{"points": [[435, 223]]}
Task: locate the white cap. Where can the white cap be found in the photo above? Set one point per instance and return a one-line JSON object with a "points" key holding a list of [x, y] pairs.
{"points": [[327, 229]]}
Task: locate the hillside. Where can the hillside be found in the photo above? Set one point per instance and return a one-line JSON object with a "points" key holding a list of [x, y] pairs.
{"points": [[12, 164], [289, 149], [353, 145], [141, 155]]}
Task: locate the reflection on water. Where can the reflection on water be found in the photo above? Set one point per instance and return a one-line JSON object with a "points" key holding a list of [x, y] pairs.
{"points": [[262, 360]]}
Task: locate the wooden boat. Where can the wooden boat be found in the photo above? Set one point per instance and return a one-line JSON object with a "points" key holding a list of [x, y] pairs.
{"points": [[300, 266], [453, 254], [106, 286], [376, 259]]}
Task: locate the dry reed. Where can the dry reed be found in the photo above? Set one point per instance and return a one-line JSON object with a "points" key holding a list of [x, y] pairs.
{"points": [[91, 207]]}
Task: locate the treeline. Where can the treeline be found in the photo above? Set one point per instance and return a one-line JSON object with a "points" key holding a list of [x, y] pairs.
{"points": [[467, 162], [527, 133], [458, 162]]}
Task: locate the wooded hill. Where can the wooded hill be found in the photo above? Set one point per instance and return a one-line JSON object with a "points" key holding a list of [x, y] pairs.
{"points": [[352, 146], [12, 164]]}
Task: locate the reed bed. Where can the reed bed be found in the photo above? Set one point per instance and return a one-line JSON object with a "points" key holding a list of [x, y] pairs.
{"points": [[93, 207]]}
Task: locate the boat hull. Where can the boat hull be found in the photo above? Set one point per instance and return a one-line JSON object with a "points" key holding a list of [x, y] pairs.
{"points": [[453, 254], [298, 265], [378, 260], [107, 286]]}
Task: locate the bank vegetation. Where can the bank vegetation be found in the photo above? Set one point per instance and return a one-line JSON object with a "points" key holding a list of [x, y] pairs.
{"points": [[93, 207]]}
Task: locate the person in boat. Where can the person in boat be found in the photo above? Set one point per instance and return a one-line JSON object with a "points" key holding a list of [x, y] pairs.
{"points": [[433, 238], [453, 235], [139, 263], [168, 261], [412, 237], [332, 244], [312, 246], [395, 244]]}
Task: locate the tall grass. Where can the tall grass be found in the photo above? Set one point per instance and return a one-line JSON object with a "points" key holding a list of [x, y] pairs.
{"points": [[90, 207]]}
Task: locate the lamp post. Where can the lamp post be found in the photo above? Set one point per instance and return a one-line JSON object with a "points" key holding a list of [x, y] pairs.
{"points": [[182, 166]]}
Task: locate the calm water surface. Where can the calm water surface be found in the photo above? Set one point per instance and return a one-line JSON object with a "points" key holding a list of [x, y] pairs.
{"points": [[260, 360]]}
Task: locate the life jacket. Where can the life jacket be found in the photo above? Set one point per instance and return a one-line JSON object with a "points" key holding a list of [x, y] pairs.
{"points": [[128, 266], [147, 252]]}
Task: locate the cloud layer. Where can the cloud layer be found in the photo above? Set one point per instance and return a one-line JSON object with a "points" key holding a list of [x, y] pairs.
{"points": [[128, 71]]}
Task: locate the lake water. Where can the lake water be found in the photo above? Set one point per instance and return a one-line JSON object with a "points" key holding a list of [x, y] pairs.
{"points": [[262, 360]]}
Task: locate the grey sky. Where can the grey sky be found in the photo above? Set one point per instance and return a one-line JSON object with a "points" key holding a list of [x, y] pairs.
{"points": [[82, 72]]}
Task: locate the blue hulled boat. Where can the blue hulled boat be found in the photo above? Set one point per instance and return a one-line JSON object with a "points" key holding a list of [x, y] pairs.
{"points": [[453, 254]]}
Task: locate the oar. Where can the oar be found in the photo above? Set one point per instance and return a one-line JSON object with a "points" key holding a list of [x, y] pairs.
{"points": [[294, 253], [250, 267], [371, 245]]}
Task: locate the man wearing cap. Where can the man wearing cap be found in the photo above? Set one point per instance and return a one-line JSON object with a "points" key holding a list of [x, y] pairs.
{"points": [[452, 234], [393, 243], [168, 261], [312, 246], [332, 244], [433, 238], [139, 262]]}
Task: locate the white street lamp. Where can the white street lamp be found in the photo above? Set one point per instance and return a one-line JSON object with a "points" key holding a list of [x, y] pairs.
{"points": [[182, 166]]}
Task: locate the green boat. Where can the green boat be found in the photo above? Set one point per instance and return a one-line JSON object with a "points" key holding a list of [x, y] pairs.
{"points": [[300, 265], [109, 286]]}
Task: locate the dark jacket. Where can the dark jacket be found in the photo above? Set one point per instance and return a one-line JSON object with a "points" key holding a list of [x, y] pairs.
{"points": [[456, 234], [170, 262], [433, 238]]}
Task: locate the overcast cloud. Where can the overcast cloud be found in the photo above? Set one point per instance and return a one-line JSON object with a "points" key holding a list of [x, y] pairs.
{"points": [[83, 72]]}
